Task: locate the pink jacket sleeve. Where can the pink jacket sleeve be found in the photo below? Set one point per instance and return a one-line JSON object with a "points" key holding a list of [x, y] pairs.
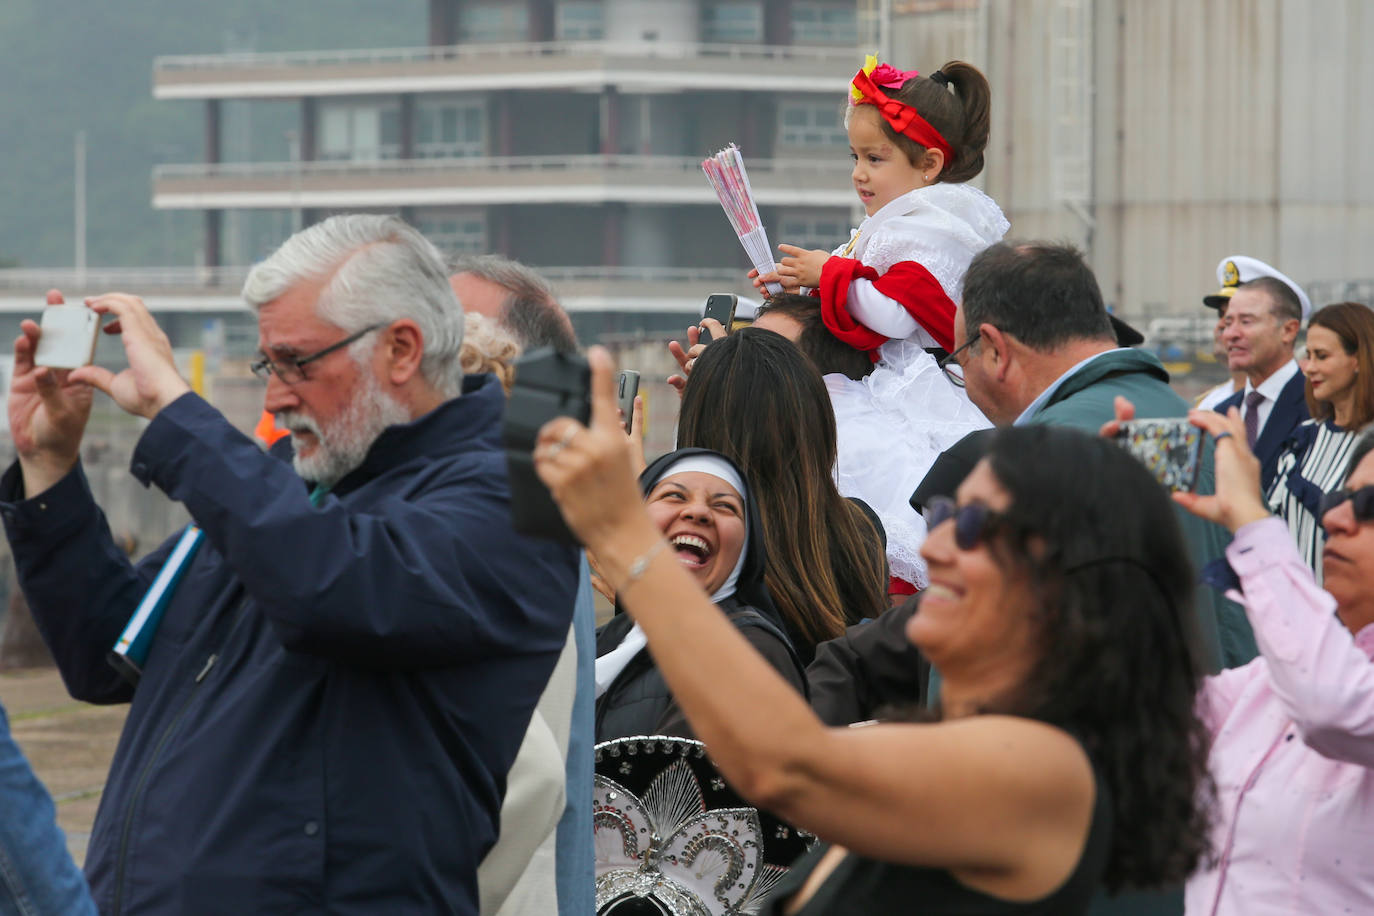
{"points": [[1323, 679]]}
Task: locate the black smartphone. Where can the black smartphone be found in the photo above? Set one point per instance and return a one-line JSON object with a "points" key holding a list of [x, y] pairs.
{"points": [[720, 306], [626, 387], [548, 384], [1170, 448]]}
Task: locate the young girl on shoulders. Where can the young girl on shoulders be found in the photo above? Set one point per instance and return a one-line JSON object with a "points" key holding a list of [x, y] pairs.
{"points": [[893, 287]]}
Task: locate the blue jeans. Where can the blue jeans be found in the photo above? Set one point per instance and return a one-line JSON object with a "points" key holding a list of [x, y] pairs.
{"points": [[37, 875]]}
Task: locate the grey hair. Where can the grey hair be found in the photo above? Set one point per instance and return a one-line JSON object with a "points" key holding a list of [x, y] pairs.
{"points": [[1283, 302], [376, 270], [531, 311]]}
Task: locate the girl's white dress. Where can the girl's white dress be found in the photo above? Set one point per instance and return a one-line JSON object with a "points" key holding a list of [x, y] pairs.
{"points": [[895, 422]]}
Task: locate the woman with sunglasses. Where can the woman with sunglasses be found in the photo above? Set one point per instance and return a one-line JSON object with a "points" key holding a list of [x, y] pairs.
{"points": [[1340, 399], [1067, 754], [1293, 731]]}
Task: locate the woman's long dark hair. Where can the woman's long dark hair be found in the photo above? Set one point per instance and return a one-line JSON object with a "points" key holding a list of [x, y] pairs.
{"points": [[756, 398], [1120, 647]]}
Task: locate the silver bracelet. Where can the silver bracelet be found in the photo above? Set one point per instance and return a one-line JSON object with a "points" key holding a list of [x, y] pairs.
{"points": [[640, 565]]}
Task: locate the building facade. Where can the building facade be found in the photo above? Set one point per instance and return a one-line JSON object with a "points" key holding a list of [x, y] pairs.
{"points": [[1164, 135], [567, 134], [1160, 135]]}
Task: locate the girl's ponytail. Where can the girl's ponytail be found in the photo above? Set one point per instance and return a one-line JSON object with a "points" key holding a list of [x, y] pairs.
{"points": [[961, 116], [975, 97]]}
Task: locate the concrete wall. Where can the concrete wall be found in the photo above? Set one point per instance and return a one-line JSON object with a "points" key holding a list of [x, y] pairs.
{"points": [[1216, 127]]}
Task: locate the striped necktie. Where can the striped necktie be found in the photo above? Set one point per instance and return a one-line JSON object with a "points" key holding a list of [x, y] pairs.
{"points": [[1252, 403]]}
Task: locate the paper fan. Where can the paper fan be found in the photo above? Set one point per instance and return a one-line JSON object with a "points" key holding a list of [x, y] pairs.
{"points": [[725, 171]]}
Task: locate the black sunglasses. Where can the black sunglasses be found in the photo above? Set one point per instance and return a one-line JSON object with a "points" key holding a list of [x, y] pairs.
{"points": [[1361, 502], [973, 523]]}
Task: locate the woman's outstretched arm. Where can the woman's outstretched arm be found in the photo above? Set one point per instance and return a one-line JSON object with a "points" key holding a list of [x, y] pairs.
{"points": [[1003, 794]]}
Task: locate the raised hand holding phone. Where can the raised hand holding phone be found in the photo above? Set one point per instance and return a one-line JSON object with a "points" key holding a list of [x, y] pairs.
{"points": [[720, 310], [1238, 500], [47, 411], [151, 382], [717, 319]]}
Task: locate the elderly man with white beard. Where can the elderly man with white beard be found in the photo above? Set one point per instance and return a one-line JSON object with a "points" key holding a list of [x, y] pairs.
{"points": [[348, 662]]}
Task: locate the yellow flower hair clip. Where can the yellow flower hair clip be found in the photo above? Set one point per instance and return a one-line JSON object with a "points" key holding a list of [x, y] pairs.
{"points": [[870, 64]]}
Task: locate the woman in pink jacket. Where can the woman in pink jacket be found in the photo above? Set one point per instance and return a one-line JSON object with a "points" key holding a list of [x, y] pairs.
{"points": [[1293, 731]]}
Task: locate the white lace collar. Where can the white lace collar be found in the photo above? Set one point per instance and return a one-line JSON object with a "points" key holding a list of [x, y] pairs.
{"points": [[960, 202]]}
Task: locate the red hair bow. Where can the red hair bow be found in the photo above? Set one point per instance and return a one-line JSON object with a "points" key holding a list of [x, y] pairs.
{"points": [[901, 117]]}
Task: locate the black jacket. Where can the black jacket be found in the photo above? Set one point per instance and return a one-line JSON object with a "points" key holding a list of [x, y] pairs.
{"points": [[872, 667], [335, 694], [638, 701]]}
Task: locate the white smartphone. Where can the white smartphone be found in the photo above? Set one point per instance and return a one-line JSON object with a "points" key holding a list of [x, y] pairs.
{"points": [[67, 338]]}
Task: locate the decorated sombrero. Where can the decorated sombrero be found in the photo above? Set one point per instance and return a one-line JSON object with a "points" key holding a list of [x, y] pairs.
{"points": [[673, 839]]}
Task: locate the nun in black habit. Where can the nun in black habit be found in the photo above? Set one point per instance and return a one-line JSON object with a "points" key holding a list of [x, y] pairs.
{"points": [[702, 504]]}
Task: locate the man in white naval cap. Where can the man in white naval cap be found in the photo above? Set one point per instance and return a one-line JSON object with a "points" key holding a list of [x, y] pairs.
{"points": [[1228, 275], [1264, 312]]}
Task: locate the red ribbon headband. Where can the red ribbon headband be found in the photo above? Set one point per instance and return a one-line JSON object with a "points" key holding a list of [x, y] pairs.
{"points": [[901, 117]]}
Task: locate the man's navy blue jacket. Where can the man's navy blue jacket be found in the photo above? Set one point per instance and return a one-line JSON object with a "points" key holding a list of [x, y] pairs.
{"points": [[1288, 413], [335, 694]]}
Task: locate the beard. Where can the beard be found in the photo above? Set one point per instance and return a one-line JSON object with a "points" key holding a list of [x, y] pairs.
{"points": [[341, 446]]}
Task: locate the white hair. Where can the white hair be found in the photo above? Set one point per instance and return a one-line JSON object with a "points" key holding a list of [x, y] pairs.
{"points": [[342, 445], [377, 270], [487, 347]]}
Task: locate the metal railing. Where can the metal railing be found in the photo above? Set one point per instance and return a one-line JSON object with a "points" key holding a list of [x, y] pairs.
{"points": [[143, 280], [127, 279], [658, 275], [1325, 292], [506, 52], [489, 164]]}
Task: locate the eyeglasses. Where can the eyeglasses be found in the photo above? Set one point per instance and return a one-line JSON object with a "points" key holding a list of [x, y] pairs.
{"points": [[973, 523], [951, 366], [291, 369], [1361, 502]]}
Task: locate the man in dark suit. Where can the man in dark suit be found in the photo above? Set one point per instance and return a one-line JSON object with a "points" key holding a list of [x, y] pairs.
{"points": [[1259, 331]]}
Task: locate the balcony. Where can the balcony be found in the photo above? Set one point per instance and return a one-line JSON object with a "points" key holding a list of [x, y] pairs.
{"points": [[209, 290], [584, 65], [164, 289], [475, 181]]}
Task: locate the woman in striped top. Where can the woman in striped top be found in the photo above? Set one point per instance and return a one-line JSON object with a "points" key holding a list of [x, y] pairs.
{"points": [[1340, 398]]}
